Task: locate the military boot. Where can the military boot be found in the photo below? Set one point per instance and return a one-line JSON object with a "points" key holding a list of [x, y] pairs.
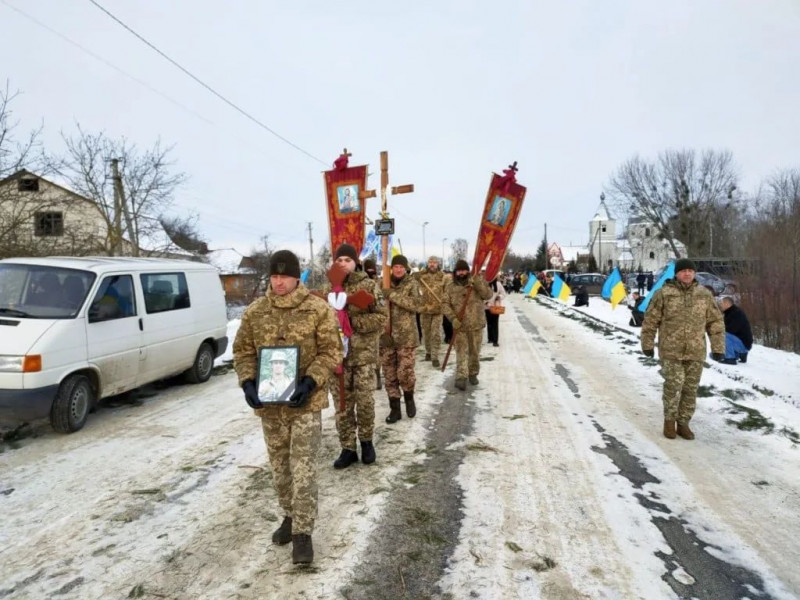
{"points": [[302, 550], [283, 534], [346, 458], [394, 411], [685, 432], [435, 362], [367, 452], [669, 428], [473, 379], [411, 408], [461, 383], [427, 356], [379, 383]]}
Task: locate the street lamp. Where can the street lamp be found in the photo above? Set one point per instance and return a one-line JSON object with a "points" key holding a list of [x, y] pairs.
{"points": [[443, 241], [424, 253]]}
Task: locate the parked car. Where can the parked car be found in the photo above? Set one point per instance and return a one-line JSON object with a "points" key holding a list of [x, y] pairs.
{"points": [[75, 330], [593, 282], [709, 279]]}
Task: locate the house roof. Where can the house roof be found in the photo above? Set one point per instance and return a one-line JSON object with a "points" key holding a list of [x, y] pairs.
{"points": [[23, 172]]}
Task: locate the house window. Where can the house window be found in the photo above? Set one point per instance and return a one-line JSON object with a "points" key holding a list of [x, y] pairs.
{"points": [[48, 223], [646, 232], [603, 229], [28, 184], [652, 255]]}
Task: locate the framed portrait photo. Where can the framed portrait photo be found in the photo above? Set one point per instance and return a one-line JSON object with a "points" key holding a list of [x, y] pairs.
{"points": [[277, 373]]}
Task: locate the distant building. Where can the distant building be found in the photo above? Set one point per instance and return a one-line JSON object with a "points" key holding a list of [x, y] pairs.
{"points": [[39, 217]]}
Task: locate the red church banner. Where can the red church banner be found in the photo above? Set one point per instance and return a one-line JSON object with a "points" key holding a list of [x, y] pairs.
{"points": [[345, 195], [503, 205]]}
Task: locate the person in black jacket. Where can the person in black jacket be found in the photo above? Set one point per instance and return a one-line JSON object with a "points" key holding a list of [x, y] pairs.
{"points": [[637, 316], [738, 335]]}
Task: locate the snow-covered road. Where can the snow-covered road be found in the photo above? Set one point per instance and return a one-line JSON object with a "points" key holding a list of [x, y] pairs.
{"points": [[566, 487]]}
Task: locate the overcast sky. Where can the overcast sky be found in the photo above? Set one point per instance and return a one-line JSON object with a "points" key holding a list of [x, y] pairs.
{"points": [[453, 90]]}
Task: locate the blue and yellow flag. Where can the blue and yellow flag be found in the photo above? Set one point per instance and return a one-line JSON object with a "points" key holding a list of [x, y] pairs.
{"points": [[669, 273], [537, 285], [560, 289], [614, 289], [304, 276], [529, 284]]}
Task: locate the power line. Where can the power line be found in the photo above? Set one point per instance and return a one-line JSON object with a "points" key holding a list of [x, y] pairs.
{"points": [[104, 61], [208, 87]]}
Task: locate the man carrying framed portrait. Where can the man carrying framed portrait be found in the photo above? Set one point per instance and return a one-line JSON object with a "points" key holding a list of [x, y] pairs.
{"points": [[285, 351]]}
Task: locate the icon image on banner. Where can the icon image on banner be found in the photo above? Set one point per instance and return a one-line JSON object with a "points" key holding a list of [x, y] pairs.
{"points": [[498, 214], [347, 196]]}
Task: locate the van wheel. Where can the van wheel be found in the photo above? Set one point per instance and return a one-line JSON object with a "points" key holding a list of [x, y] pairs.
{"points": [[203, 365], [73, 401]]}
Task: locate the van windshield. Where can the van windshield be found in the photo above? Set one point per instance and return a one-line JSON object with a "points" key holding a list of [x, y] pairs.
{"points": [[42, 292]]}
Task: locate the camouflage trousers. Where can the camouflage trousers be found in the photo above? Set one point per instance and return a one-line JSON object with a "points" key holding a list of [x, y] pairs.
{"points": [[293, 440], [468, 352], [432, 333], [357, 420], [398, 370], [681, 378]]}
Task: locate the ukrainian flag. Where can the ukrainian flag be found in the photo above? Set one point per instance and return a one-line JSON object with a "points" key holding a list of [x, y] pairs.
{"points": [[537, 285], [560, 289], [529, 284], [669, 273], [614, 289]]}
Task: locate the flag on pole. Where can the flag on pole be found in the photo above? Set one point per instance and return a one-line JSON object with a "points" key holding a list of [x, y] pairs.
{"points": [[529, 284], [560, 289], [669, 273], [614, 289], [304, 276], [537, 285]]}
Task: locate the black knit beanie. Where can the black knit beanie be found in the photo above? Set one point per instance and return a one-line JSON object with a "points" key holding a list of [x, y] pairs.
{"points": [[400, 260], [684, 263], [284, 262], [346, 250], [369, 265], [461, 265]]}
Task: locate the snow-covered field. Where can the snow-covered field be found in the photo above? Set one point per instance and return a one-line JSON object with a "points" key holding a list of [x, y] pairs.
{"points": [[569, 490]]}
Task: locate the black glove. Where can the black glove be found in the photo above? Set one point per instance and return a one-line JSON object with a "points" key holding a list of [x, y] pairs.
{"points": [[718, 356], [649, 353], [302, 392], [251, 394]]}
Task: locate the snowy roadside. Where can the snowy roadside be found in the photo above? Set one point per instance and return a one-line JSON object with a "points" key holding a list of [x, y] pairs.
{"points": [[587, 396]]}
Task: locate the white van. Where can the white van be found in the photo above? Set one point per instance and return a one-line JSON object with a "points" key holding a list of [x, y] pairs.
{"points": [[75, 330]]}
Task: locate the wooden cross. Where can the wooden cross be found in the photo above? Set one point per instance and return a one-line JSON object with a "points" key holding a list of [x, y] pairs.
{"points": [[400, 189]]}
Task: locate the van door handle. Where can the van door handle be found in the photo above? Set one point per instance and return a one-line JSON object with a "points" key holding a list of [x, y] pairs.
{"points": [[141, 325]]}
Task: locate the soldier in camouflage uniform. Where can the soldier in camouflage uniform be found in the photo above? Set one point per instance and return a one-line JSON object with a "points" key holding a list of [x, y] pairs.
{"points": [[682, 312], [399, 343], [467, 327], [358, 418], [431, 286], [290, 316]]}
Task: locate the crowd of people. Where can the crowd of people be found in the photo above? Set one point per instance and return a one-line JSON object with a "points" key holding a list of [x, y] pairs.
{"points": [[353, 336], [357, 335]]}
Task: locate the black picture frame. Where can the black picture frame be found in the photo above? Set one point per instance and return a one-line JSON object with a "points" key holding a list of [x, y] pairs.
{"points": [[272, 390]]}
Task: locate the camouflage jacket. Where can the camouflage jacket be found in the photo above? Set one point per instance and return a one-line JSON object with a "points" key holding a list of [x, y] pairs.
{"points": [[367, 324], [431, 286], [296, 319], [404, 302], [682, 315], [454, 295]]}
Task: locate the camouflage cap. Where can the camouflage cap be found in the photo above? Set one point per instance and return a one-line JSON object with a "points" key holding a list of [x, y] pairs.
{"points": [[279, 356]]}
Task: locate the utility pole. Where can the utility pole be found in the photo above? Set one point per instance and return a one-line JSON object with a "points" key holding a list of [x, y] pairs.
{"points": [[711, 233], [546, 254], [311, 250], [117, 228]]}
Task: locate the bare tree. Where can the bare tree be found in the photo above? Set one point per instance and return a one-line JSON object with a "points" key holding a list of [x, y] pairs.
{"points": [[681, 193], [258, 261], [183, 232], [16, 154], [771, 293], [133, 210]]}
